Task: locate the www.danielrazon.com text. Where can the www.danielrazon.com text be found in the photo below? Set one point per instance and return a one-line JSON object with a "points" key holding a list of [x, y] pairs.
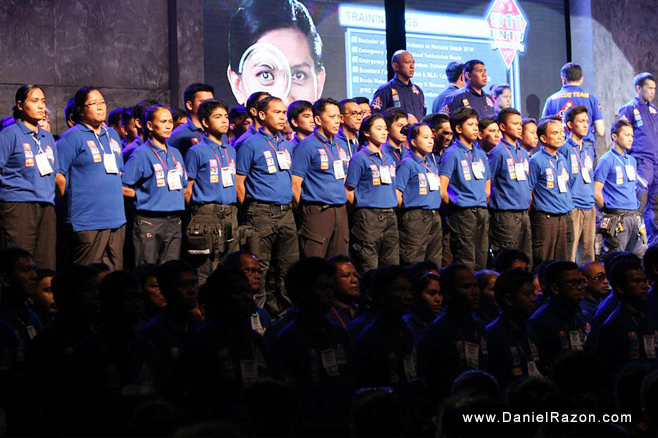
{"points": [[546, 417]]}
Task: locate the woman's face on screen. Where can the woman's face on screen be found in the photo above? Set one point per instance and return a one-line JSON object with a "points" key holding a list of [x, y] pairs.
{"points": [[280, 63]]}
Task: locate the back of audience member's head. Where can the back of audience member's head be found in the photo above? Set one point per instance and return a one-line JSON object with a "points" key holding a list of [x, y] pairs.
{"points": [[208, 429], [649, 399], [613, 257], [376, 412], [101, 270], [309, 283], [476, 382], [579, 377], [76, 292], [122, 300], [541, 276], [628, 388], [178, 283], [452, 423], [533, 394], [421, 267], [509, 258], [267, 418], [392, 289]]}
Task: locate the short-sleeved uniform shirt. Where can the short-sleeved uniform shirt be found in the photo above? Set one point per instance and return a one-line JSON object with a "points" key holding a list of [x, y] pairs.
{"points": [[580, 165], [509, 165], [550, 195], [418, 180], [212, 168], [468, 170], [469, 98], [396, 94], [367, 176], [618, 173]]}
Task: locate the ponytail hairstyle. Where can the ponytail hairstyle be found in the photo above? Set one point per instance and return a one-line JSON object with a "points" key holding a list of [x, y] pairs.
{"points": [[79, 100], [149, 116], [22, 94], [365, 127], [413, 131]]}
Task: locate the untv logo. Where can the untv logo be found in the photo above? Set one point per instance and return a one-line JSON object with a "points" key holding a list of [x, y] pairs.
{"points": [[508, 25]]}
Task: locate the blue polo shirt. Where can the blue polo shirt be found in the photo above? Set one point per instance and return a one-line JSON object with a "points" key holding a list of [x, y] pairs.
{"points": [[397, 94], [350, 146], [130, 148], [618, 190], [94, 197], [256, 157], [644, 118], [147, 172], [186, 136], [573, 95], [245, 135], [468, 97], [439, 100], [544, 170], [464, 189], [397, 154], [20, 180], [508, 192], [580, 159], [204, 163], [295, 141], [364, 176], [412, 180], [313, 160]]}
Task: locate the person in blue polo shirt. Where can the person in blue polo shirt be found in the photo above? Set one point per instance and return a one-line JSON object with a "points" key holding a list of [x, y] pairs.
{"points": [[252, 110], [614, 187], [318, 178], [419, 195], [399, 92], [191, 133], [643, 115], [301, 120], [352, 116], [88, 175], [580, 156], [397, 123], [510, 192], [264, 184], [465, 186], [572, 94], [473, 94], [370, 185], [27, 180], [156, 173], [212, 232], [549, 181]]}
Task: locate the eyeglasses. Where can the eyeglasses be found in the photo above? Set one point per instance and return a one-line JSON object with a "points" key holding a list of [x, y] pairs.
{"points": [[575, 283], [251, 271], [355, 114], [96, 104], [600, 277]]}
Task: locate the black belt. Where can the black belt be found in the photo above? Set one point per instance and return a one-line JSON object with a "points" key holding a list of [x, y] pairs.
{"points": [[273, 206], [212, 208], [379, 210], [551, 214], [619, 212], [159, 213]]}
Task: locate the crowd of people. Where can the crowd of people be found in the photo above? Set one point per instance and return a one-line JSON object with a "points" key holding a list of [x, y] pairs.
{"points": [[328, 268]]}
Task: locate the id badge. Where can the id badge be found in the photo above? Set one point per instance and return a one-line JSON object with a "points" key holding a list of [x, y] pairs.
{"points": [[561, 184], [329, 362], [110, 163], [249, 371], [339, 170], [472, 352], [650, 346], [574, 337], [284, 160], [173, 180], [385, 173], [520, 172], [533, 371], [586, 175], [227, 177], [434, 182], [43, 163], [630, 172], [478, 170], [410, 368], [256, 324]]}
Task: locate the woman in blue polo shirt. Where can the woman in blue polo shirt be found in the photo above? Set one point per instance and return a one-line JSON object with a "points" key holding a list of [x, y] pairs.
{"points": [[89, 158], [419, 194], [27, 180], [156, 173], [370, 186]]}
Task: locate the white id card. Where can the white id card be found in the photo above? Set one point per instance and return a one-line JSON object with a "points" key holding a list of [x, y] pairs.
{"points": [[256, 325], [339, 170], [650, 346], [630, 172], [173, 180], [284, 160], [472, 352], [520, 172], [562, 183], [227, 176], [110, 163], [249, 371], [43, 163], [587, 177], [532, 369], [478, 170], [434, 182], [574, 336], [385, 173], [329, 362], [410, 368]]}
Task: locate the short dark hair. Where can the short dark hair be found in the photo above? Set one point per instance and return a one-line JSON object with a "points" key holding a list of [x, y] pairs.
{"points": [[127, 116], [192, 89], [167, 272], [571, 72], [303, 273], [69, 111], [617, 274], [393, 114], [510, 283], [420, 282], [233, 261], [114, 118], [469, 66], [640, 79], [650, 258], [448, 275], [571, 113], [342, 103], [382, 280], [80, 98], [361, 99], [542, 126], [177, 114], [484, 123], [139, 109], [497, 90], [506, 257], [208, 106], [556, 270], [264, 104], [505, 113], [149, 116], [296, 108], [528, 120], [434, 121], [45, 273], [252, 101], [9, 256], [366, 125], [459, 116], [338, 259], [453, 71], [615, 129], [320, 105]]}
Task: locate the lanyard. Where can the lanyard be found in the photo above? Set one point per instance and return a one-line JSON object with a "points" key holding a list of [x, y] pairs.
{"points": [[620, 160], [99, 141], [218, 159], [396, 154], [325, 146], [510, 153], [469, 158], [36, 141], [375, 153], [166, 157], [558, 165], [578, 154], [422, 163], [277, 143], [342, 323]]}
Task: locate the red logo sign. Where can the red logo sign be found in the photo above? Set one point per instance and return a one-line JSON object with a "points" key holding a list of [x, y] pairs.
{"points": [[508, 25]]}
